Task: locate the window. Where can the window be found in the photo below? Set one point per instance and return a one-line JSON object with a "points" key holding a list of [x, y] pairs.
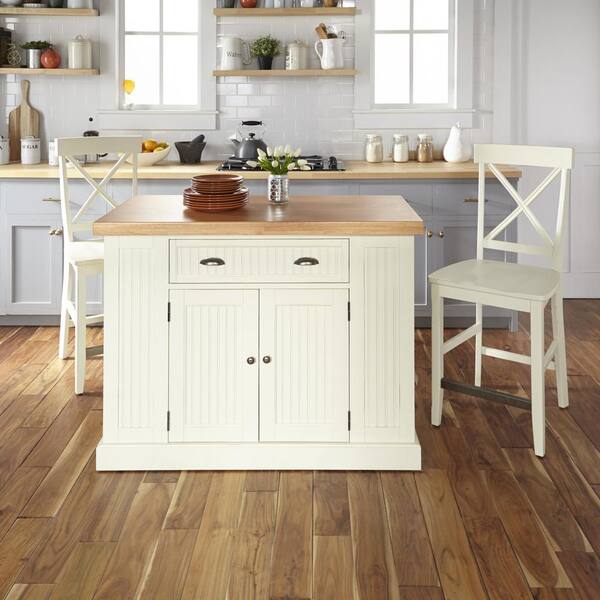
{"points": [[413, 53], [160, 53]]}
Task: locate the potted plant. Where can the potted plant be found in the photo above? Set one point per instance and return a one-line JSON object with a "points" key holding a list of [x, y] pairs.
{"points": [[34, 53], [279, 162], [265, 48]]}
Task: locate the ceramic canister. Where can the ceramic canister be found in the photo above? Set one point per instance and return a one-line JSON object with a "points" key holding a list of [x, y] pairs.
{"points": [[52, 154], [4, 151], [80, 53], [30, 151], [235, 53]]}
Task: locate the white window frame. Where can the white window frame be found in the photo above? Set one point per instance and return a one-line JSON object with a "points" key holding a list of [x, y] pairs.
{"points": [[368, 115], [113, 117]]}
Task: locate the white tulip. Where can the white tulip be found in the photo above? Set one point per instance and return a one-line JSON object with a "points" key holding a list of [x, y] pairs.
{"points": [[305, 168], [275, 164], [252, 163], [292, 166], [298, 152], [269, 151], [287, 149], [302, 162], [276, 152], [261, 154]]}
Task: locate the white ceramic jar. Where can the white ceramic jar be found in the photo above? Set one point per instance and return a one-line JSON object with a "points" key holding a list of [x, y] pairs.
{"points": [[4, 151], [374, 149], [80, 53], [400, 148], [30, 151], [296, 57]]}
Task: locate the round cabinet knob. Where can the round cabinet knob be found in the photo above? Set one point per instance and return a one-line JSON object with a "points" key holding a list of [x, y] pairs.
{"points": [[266, 359], [430, 234], [441, 233], [251, 360]]}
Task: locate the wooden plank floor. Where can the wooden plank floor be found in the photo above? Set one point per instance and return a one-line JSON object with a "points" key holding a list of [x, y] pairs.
{"points": [[484, 519]]}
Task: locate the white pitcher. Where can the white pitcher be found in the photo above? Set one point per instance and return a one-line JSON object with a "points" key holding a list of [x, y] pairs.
{"points": [[332, 56], [235, 53]]}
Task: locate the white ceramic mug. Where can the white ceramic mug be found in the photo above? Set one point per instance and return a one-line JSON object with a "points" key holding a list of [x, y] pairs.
{"points": [[235, 53], [332, 56]]}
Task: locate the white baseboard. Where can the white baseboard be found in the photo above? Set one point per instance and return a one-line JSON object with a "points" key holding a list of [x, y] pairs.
{"points": [[261, 456]]}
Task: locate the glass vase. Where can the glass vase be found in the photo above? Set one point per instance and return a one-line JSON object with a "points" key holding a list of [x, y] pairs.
{"points": [[278, 189]]}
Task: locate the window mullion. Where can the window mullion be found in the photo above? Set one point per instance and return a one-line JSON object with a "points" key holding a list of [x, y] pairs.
{"points": [[161, 56], [411, 54]]}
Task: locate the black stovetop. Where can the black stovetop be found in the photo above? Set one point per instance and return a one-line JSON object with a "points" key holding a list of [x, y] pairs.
{"points": [[316, 163]]}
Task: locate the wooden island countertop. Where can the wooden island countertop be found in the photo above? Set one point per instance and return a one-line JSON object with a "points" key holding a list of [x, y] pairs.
{"points": [[355, 170], [304, 215]]}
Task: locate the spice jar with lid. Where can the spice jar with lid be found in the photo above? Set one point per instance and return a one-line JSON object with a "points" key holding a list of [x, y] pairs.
{"points": [[80, 53], [374, 149], [425, 148], [400, 152]]}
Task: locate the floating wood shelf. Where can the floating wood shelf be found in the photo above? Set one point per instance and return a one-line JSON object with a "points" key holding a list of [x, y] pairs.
{"points": [[284, 73], [282, 12], [48, 12], [55, 72]]}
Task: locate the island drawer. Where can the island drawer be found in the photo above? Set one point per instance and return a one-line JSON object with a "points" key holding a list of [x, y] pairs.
{"points": [[259, 261]]}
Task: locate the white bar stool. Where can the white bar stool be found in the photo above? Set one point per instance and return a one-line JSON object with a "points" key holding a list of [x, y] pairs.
{"points": [[509, 285], [84, 258]]}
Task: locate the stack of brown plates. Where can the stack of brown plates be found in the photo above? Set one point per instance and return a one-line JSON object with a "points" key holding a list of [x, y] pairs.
{"points": [[215, 193]]}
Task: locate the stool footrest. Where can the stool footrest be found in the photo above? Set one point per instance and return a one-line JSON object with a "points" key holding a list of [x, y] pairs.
{"points": [[485, 393], [94, 351]]}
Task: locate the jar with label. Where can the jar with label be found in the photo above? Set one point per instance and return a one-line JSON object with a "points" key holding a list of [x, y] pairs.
{"points": [[30, 151], [425, 148], [80, 53], [296, 57], [374, 149], [400, 148]]}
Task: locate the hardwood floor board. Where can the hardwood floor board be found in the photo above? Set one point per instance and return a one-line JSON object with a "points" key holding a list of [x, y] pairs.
{"points": [[83, 571], [52, 492], [291, 567], [253, 547], [421, 593], [471, 491], [555, 594], [369, 528], [16, 493], [161, 477], [48, 377], [583, 569], [499, 567], [45, 334], [6, 331], [331, 506], [210, 566], [137, 541], [33, 591], [413, 557], [170, 564], [584, 406], [587, 355], [189, 502], [527, 539], [545, 499], [590, 526], [15, 449], [15, 416], [17, 546], [262, 481], [456, 564], [503, 426], [333, 568], [14, 384], [10, 346]]}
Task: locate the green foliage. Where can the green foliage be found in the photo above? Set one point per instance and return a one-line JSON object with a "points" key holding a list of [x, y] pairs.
{"points": [[36, 45], [265, 46]]}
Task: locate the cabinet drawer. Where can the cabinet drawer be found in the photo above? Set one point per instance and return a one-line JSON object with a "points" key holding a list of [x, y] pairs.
{"points": [[258, 261], [460, 199]]}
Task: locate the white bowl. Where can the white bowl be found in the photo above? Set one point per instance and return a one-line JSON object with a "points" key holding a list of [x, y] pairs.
{"points": [[147, 159]]}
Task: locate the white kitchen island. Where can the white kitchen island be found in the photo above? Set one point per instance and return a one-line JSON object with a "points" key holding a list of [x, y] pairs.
{"points": [[262, 338]]}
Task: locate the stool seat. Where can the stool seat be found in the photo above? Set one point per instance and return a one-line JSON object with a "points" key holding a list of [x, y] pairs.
{"points": [[82, 252]]}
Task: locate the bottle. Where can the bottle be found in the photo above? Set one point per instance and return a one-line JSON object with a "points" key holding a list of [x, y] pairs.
{"points": [[425, 148], [400, 148], [374, 149]]}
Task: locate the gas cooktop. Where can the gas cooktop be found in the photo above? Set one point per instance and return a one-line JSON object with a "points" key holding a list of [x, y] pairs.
{"points": [[316, 163]]}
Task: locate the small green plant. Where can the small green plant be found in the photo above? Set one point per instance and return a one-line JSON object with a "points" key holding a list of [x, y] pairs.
{"points": [[36, 45], [265, 46]]}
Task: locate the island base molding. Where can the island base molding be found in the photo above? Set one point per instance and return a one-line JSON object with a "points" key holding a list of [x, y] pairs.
{"points": [[258, 457]]}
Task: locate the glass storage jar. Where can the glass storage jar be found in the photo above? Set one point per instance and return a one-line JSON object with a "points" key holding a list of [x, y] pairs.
{"points": [[425, 148], [400, 152], [374, 149]]}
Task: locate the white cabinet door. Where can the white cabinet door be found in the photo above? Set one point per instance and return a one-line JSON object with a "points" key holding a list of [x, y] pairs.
{"points": [[213, 387], [304, 365]]}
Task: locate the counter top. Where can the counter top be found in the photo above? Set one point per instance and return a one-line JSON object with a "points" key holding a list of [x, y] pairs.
{"points": [[355, 170], [304, 215]]}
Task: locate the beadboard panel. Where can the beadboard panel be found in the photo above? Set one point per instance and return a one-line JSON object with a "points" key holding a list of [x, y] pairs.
{"points": [[253, 261], [213, 389], [304, 387], [136, 330], [388, 318]]}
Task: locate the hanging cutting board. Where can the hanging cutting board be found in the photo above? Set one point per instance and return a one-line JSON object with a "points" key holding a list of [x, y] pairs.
{"points": [[23, 121]]}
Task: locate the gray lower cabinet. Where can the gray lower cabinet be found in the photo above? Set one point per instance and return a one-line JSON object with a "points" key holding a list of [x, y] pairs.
{"points": [[31, 259]]}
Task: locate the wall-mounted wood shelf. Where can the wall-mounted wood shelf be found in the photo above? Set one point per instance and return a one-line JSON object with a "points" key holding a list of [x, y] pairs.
{"points": [[55, 72], [282, 12], [48, 12], [284, 73]]}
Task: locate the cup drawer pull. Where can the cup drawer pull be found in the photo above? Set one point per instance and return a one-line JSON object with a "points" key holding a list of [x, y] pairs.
{"points": [[212, 262], [306, 261], [473, 200]]}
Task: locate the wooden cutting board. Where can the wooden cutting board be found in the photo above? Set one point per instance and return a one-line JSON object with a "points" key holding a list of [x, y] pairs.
{"points": [[23, 121]]}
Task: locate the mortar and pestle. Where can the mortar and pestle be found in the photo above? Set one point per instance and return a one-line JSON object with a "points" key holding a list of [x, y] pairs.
{"points": [[190, 153]]}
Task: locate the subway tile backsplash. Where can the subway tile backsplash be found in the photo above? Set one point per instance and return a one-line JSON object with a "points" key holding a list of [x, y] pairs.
{"points": [[314, 113]]}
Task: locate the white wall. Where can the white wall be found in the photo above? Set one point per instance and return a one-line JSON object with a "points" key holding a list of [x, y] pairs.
{"points": [[313, 113]]}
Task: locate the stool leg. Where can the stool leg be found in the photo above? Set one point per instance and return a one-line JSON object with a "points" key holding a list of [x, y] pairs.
{"points": [[560, 358], [538, 408], [478, 342], [80, 333], [437, 358], [64, 312]]}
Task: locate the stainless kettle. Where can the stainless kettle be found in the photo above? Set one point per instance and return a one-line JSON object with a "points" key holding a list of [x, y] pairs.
{"points": [[247, 148]]}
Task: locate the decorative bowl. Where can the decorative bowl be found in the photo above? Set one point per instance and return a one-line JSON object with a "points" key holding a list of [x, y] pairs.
{"points": [[148, 159]]}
